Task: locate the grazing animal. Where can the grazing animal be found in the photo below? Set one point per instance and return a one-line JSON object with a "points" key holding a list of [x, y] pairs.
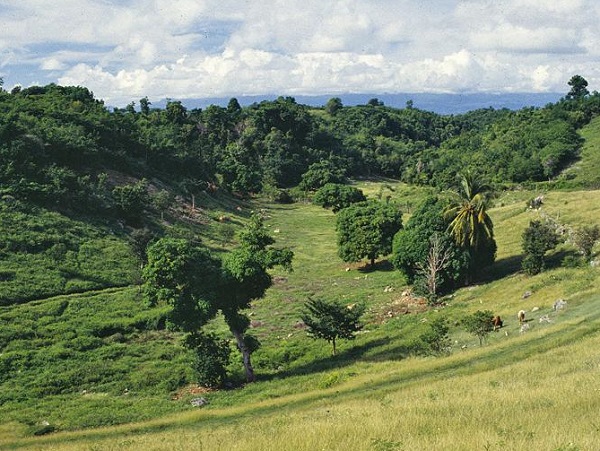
{"points": [[521, 316], [497, 322]]}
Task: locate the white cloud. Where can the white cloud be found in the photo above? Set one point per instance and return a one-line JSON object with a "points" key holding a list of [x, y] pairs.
{"points": [[190, 48]]}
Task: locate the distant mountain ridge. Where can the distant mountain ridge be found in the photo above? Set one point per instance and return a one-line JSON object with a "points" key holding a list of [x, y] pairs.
{"points": [[438, 103]]}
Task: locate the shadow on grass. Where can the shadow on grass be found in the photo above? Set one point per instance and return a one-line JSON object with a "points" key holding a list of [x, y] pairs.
{"points": [[383, 265], [501, 268], [556, 260], [507, 266], [373, 351]]}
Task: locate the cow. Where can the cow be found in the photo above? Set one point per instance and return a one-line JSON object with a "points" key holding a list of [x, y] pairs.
{"points": [[497, 322], [521, 316]]}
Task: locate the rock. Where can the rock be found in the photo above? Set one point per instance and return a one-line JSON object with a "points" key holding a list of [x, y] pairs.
{"points": [[535, 309], [524, 328], [526, 294], [559, 305], [199, 402], [545, 319]]}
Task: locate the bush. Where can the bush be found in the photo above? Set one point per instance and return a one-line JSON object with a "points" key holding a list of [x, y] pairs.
{"points": [[436, 340], [211, 358], [479, 324], [538, 238]]}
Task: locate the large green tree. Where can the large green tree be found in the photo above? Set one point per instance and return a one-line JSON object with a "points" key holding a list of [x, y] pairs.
{"points": [[578, 89], [186, 277], [412, 246], [539, 238], [246, 278], [337, 196], [470, 223], [366, 230]]}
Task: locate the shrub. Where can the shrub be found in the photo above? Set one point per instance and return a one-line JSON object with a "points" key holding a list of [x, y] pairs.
{"points": [[479, 324], [436, 340], [538, 238], [211, 358]]}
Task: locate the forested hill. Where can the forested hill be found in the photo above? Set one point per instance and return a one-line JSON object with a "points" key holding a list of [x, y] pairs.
{"points": [[57, 145]]}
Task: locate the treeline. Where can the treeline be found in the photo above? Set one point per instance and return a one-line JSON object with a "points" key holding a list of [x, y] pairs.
{"points": [[58, 143]]}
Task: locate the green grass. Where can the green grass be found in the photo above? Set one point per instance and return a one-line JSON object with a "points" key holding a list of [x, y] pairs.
{"points": [[104, 365], [44, 253], [585, 172]]}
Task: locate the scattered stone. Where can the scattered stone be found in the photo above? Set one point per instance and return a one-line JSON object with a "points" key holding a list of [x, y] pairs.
{"points": [[545, 319], [524, 328], [388, 289], [526, 294], [535, 309], [347, 269], [199, 402], [559, 305], [406, 293]]}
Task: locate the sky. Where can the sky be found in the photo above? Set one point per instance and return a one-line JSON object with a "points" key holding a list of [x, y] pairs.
{"points": [[124, 50]]}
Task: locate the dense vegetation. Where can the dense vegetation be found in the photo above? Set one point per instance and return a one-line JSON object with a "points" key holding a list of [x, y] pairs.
{"points": [[93, 202]]}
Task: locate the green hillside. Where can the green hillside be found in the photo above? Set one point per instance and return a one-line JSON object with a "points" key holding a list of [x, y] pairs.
{"points": [[87, 362], [585, 172], [305, 398]]}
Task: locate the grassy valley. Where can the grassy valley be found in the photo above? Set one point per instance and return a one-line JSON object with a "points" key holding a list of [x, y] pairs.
{"points": [[87, 363], [305, 397]]}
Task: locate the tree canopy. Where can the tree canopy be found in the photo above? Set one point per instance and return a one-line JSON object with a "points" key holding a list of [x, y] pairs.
{"points": [[366, 230]]}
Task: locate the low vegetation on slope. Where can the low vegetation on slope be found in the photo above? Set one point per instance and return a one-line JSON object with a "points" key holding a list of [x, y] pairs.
{"points": [[134, 372]]}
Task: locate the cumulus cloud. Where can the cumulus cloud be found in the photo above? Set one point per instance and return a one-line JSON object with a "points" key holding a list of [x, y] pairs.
{"points": [[189, 48]]}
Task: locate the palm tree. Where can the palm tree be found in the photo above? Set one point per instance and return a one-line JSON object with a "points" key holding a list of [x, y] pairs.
{"points": [[470, 224]]}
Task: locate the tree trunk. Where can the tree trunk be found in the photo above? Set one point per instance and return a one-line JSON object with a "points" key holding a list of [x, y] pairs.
{"points": [[241, 344], [333, 342]]}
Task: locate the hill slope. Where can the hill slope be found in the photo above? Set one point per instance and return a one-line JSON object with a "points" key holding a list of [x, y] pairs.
{"points": [[306, 399]]}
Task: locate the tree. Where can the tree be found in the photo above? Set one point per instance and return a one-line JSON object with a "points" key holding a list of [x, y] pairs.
{"points": [[411, 246], [211, 358], [584, 239], [479, 324], [184, 276], [162, 200], [538, 238], [139, 241], [245, 278], [578, 86], [366, 230], [131, 200], [145, 106], [438, 259], [332, 320], [337, 196], [321, 173], [470, 224], [333, 105]]}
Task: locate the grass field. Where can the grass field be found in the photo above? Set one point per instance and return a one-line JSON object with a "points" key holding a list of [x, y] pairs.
{"points": [[538, 390]]}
